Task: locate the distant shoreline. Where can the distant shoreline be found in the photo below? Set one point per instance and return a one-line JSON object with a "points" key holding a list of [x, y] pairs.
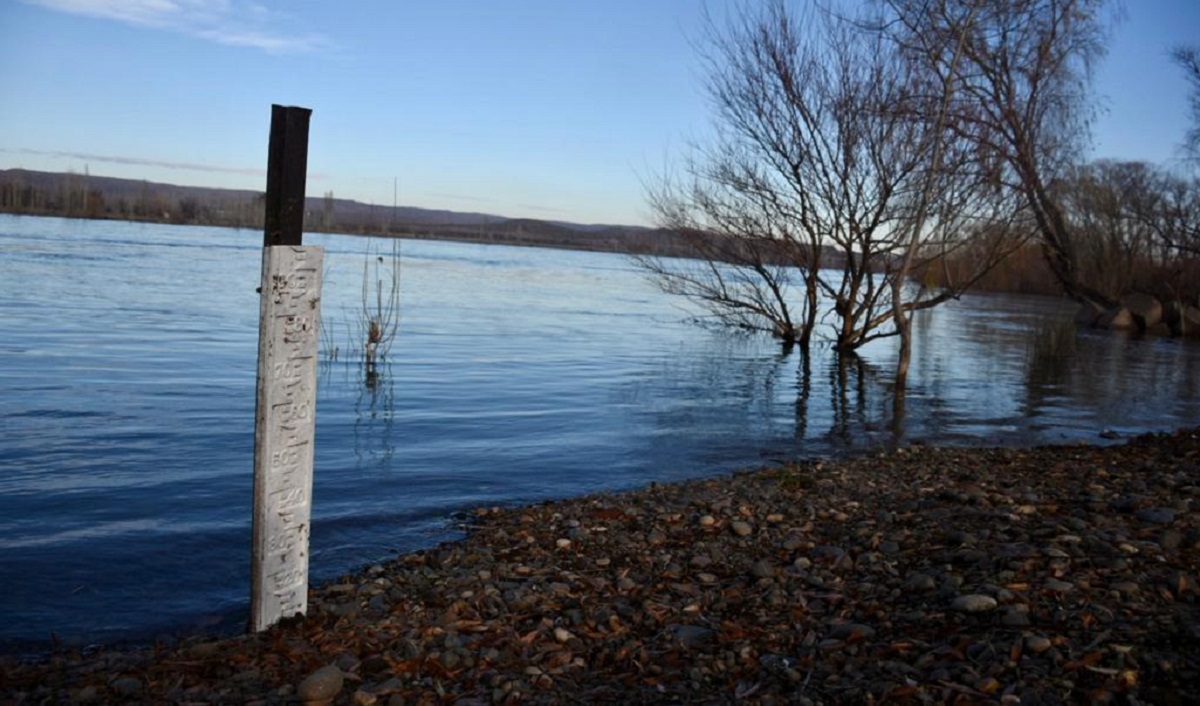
{"points": [[72, 195]]}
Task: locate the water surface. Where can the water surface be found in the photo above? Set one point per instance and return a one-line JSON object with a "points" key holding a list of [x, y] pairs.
{"points": [[127, 363]]}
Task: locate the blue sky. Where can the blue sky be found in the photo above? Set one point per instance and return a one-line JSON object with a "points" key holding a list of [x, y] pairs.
{"points": [[552, 109]]}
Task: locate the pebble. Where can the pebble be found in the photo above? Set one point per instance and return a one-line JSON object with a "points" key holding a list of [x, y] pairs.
{"points": [[836, 601], [1016, 616], [692, 635], [844, 631], [1127, 587], [126, 686], [988, 685], [1058, 586], [763, 569], [974, 603], [321, 686], [1156, 515], [920, 583], [1170, 540]]}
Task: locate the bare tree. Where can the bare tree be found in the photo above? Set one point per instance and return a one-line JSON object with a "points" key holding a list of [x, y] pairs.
{"points": [[741, 209], [1176, 220], [822, 184], [327, 210], [1022, 98], [1188, 59], [379, 318]]}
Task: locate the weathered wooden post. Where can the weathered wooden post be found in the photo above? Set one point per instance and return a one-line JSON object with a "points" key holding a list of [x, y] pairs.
{"points": [[284, 420]]}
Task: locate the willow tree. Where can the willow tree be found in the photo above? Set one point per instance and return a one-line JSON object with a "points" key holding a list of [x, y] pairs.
{"points": [[821, 186]]}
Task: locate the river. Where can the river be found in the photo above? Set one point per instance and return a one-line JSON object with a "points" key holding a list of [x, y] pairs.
{"points": [[127, 365]]}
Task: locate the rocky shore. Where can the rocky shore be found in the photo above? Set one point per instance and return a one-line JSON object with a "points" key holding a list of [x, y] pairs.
{"points": [[923, 575]]}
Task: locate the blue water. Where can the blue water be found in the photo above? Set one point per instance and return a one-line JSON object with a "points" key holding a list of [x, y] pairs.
{"points": [[127, 366]]}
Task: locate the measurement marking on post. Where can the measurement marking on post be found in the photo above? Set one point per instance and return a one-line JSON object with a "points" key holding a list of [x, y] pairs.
{"points": [[284, 430]]}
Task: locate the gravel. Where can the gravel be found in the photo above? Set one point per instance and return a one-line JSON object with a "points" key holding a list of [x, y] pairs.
{"points": [[923, 575]]}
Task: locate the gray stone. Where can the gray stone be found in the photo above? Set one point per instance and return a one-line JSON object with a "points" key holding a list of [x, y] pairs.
{"points": [[740, 528], [1145, 309], [1170, 540], [1157, 515], [1127, 587], [1058, 586], [1117, 319], [950, 585], [1037, 644], [692, 635], [126, 686], [920, 583], [763, 569], [1016, 616], [320, 686], [974, 603]]}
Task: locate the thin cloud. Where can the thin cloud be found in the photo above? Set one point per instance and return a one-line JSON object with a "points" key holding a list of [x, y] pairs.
{"points": [[229, 22], [544, 209], [458, 197], [137, 161], [160, 163]]}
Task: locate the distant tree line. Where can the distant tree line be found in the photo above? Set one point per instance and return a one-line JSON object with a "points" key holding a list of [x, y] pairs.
{"points": [[1135, 227], [73, 196]]}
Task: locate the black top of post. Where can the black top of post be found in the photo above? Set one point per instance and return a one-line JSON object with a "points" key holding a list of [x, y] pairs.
{"points": [[287, 170]]}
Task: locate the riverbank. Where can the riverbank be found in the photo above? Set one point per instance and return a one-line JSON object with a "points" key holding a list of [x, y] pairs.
{"points": [[1048, 575]]}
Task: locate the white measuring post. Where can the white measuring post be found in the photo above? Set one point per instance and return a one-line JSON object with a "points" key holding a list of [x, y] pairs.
{"points": [[285, 427], [286, 396]]}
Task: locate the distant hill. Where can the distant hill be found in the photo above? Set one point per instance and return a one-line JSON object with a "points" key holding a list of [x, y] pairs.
{"points": [[92, 196]]}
